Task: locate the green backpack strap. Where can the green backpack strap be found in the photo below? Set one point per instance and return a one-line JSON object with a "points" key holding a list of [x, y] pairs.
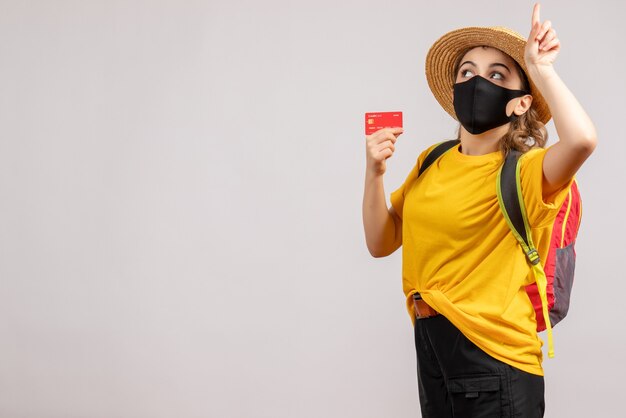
{"points": [[509, 189]]}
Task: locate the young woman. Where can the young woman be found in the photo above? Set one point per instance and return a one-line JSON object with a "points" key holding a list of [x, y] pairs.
{"points": [[464, 274]]}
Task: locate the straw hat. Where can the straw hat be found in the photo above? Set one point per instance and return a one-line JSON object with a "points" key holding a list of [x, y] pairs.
{"points": [[445, 51]]}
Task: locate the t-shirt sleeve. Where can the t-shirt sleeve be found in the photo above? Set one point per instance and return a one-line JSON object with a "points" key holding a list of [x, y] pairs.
{"points": [[541, 210], [397, 196]]}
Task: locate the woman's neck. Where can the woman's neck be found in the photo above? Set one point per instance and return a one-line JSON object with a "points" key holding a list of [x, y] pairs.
{"points": [[484, 143]]}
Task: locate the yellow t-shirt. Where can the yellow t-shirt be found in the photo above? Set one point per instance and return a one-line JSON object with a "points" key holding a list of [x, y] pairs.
{"points": [[459, 253]]}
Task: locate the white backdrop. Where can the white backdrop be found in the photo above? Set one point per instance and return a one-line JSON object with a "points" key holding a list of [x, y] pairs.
{"points": [[180, 205]]}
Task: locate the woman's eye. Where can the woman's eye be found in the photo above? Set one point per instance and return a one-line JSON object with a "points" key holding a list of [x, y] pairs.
{"points": [[495, 75]]}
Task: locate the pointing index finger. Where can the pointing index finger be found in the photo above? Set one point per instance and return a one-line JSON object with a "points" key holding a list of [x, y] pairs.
{"points": [[535, 18]]}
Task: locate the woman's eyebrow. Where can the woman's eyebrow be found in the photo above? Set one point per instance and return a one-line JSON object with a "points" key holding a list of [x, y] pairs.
{"points": [[495, 64]]}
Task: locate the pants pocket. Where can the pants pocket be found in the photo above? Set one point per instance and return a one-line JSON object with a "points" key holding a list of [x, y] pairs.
{"points": [[476, 396]]}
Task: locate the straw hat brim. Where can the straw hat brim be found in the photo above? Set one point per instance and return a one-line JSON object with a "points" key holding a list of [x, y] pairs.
{"points": [[445, 51]]}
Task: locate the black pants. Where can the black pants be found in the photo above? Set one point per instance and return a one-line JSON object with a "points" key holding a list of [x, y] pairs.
{"points": [[457, 379]]}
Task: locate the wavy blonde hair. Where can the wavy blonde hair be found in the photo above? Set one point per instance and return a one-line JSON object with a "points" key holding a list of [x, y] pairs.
{"points": [[527, 131]]}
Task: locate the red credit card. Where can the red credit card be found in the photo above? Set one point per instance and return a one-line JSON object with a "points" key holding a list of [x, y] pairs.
{"points": [[379, 120]]}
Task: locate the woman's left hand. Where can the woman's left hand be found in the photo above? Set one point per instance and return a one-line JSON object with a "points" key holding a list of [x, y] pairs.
{"points": [[542, 45]]}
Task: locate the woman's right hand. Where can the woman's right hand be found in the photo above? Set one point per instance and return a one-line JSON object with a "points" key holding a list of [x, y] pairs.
{"points": [[379, 146]]}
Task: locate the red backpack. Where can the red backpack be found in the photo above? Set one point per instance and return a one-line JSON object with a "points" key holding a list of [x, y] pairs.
{"points": [[550, 294], [559, 266]]}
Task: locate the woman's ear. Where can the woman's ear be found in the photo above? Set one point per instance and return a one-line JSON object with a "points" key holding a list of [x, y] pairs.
{"points": [[520, 104]]}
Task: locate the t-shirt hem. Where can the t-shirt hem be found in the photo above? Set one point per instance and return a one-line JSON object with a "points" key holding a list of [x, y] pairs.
{"points": [[536, 370]]}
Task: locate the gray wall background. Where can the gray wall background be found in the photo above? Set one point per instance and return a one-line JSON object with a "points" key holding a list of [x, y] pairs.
{"points": [[180, 205]]}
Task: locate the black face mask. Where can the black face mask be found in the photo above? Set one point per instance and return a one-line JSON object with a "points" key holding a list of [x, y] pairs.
{"points": [[480, 104]]}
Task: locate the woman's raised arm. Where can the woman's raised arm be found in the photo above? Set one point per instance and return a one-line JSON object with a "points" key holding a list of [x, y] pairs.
{"points": [[577, 134], [383, 227]]}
